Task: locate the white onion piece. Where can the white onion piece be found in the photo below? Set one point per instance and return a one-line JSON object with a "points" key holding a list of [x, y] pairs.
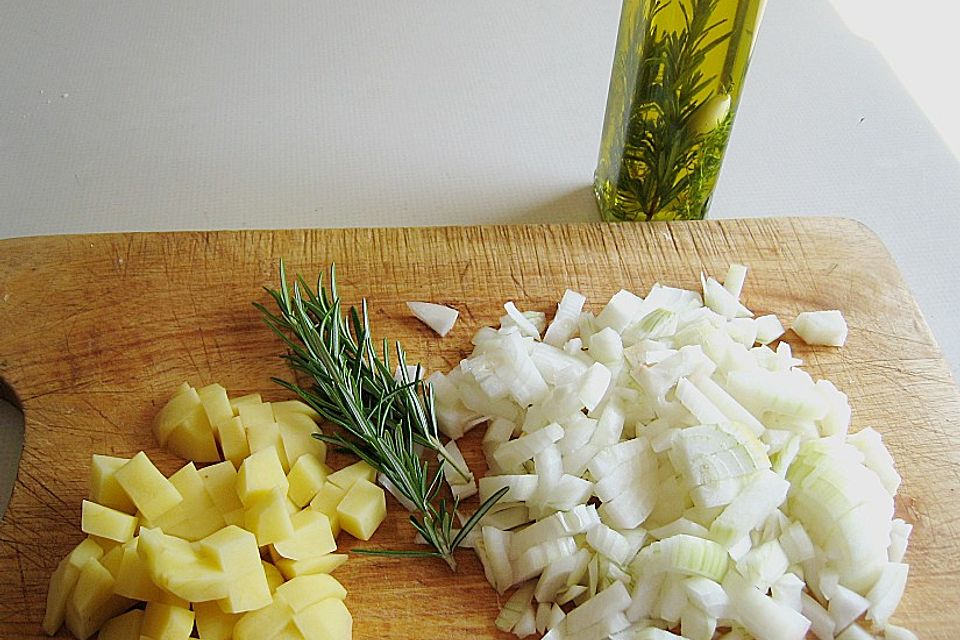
{"points": [[827, 328], [526, 327], [436, 316], [846, 606], [564, 323], [769, 328], [763, 616], [821, 624], [736, 274], [855, 632]]}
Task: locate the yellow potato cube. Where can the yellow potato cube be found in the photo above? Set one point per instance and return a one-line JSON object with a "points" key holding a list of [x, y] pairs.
{"points": [[122, 627], [153, 494], [255, 415], [344, 478], [92, 601], [166, 622], [63, 581], [177, 567], [104, 488], [248, 592], [267, 622], [234, 517], [325, 620], [220, 481], [212, 623], [216, 404], [250, 398], [326, 502], [303, 591], [232, 549], [184, 403], [233, 440], [319, 564], [311, 537], [166, 597], [306, 477], [259, 474], [274, 577], [363, 509], [111, 560], [196, 516], [98, 520], [294, 406], [133, 578], [193, 439], [267, 435], [267, 517], [296, 432]]}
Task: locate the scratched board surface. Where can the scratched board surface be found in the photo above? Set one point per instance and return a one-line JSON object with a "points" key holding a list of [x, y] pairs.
{"points": [[96, 331]]}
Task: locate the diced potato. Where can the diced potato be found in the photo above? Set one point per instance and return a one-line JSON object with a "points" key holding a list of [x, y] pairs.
{"points": [[166, 622], [312, 536], [325, 620], [111, 560], [104, 488], [255, 415], [344, 478], [319, 564], [153, 494], [193, 439], [296, 431], [267, 435], [216, 404], [196, 516], [234, 517], [133, 578], [294, 406], [274, 577], [98, 520], [184, 403], [123, 627], [92, 601], [259, 474], [63, 581], [251, 398], [326, 502], [178, 568], [233, 440], [267, 622], [220, 481], [363, 509], [301, 592], [212, 623], [233, 549], [248, 592], [267, 517], [166, 597], [306, 477]]}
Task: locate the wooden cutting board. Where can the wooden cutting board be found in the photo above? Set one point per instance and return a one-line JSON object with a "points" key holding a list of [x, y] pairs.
{"points": [[97, 330]]}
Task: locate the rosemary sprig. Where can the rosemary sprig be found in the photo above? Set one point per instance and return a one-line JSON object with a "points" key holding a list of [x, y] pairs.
{"points": [[382, 420]]}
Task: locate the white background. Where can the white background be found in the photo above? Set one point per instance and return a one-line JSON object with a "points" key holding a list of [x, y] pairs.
{"points": [[135, 115]]}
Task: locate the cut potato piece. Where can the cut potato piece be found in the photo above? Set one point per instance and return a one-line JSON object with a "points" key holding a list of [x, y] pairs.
{"points": [[233, 440], [63, 580], [213, 623], [319, 564], [273, 575], [267, 622], [216, 404], [150, 491], [363, 509], [250, 398], [176, 567], [312, 536], [166, 622], [344, 478], [98, 520], [267, 435], [248, 592], [123, 627], [325, 620], [255, 415], [220, 481], [326, 501], [267, 517], [306, 477], [182, 406], [294, 406], [196, 516], [193, 439], [92, 601], [133, 577], [296, 431], [260, 474], [111, 560], [104, 488], [233, 549], [301, 592]]}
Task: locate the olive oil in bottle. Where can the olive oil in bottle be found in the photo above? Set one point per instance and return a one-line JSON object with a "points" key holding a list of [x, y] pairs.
{"points": [[677, 77]]}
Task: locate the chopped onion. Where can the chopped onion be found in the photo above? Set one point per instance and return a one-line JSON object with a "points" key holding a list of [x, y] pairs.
{"points": [[827, 328], [436, 316]]}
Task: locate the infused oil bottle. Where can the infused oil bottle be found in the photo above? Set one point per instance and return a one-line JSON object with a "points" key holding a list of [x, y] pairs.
{"points": [[677, 77]]}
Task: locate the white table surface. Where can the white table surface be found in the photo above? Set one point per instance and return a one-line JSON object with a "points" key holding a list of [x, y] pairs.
{"points": [[135, 115]]}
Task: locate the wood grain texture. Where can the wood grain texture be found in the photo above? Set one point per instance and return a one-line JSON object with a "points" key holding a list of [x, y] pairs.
{"points": [[97, 330]]}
